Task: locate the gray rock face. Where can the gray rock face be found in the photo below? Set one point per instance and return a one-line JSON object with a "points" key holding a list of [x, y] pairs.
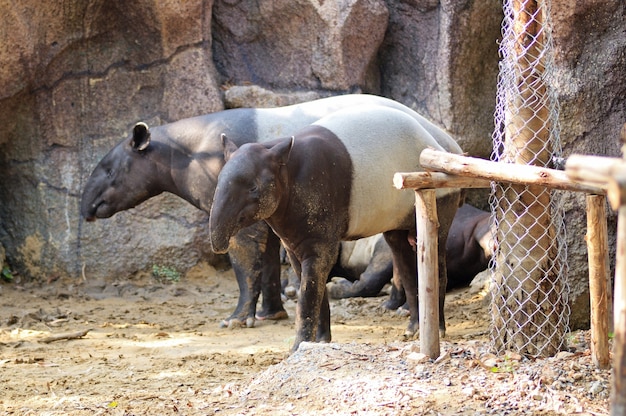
{"points": [[440, 57], [300, 44], [76, 76], [590, 46]]}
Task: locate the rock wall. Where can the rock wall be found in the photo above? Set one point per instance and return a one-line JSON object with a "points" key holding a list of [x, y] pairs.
{"points": [[77, 74], [590, 54]]}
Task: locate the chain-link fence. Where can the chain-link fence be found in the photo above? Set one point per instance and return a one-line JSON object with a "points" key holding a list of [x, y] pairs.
{"points": [[530, 312]]}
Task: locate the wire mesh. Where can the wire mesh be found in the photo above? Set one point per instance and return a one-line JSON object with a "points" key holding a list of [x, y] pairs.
{"points": [[530, 311]]}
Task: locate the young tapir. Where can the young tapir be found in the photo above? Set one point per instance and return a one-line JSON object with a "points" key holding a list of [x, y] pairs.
{"points": [[331, 182], [185, 158]]}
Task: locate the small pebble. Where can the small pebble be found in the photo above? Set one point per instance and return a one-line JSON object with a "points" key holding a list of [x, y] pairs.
{"points": [[596, 387], [490, 362], [417, 357], [563, 354]]}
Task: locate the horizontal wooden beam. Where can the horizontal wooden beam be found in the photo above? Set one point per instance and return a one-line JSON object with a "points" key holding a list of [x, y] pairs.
{"points": [[594, 169], [603, 171], [482, 169], [432, 180]]}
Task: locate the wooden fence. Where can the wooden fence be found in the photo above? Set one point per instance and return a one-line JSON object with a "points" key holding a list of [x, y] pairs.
{"points": [[582, 174]]}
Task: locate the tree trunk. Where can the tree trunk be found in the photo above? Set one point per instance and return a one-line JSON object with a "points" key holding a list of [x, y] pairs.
{"points": [[527, 308]]}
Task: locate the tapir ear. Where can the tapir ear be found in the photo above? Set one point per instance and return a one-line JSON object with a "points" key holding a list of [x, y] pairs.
{"points": [[229, 146], [283, 150], [141, 137]]}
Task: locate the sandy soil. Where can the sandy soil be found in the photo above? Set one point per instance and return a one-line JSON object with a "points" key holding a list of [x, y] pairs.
{"points": [[148, 347]]}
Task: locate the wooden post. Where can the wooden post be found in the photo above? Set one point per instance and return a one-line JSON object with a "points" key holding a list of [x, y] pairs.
{"points": [[598, 252], [427, 271], [618, 391]]}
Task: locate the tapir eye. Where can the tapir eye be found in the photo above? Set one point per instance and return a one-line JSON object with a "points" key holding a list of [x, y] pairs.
{"points": [[254, 189], [109, 173]]}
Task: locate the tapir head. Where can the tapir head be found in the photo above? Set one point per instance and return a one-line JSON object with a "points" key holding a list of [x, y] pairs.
{"points": [[249, 188], [122, 179]]}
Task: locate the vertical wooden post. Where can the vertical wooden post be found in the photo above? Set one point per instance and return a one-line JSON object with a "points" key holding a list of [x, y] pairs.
{"points": [[428, 271], [618, 391], [598, 249]]}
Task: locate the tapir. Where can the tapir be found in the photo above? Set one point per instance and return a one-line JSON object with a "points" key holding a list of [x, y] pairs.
{"points": [[330, 182], [185, 157], [364, 266]]}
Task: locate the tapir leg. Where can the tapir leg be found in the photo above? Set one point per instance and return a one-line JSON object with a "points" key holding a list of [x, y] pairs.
{"points": [[446, 210], [248, 256], [313, 310], [377, 274], [272, 304], [397, 297], [405, 266]]}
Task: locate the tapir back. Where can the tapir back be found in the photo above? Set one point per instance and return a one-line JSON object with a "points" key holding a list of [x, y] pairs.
{"points": [[380, 142]]}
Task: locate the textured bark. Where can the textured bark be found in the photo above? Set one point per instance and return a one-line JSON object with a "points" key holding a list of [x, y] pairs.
{"points": [[527, 308], [599, 282], [428, 272]]}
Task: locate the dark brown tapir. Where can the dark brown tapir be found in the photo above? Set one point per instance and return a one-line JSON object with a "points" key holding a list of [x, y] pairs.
{"points": [[185, 158], [332, 181]]}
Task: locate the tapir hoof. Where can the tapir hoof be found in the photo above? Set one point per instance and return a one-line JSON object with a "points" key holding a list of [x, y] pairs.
{"points": [[411, 330], [272, 316], [233, 323], [393, 304], [323, 338], [409, 335], [339, 288], [291, 292]]}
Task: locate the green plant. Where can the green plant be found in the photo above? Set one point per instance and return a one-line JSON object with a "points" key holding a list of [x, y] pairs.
{"points": [[6, 274], [164, 273], [508, 366]]}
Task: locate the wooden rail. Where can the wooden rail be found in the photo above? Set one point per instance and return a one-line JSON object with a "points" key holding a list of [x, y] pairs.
{"points": [[612, 173], [456, 171]]}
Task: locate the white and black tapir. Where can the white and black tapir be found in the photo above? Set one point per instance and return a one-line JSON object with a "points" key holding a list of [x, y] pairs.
{"points": [[185, 157], [332, 181]]}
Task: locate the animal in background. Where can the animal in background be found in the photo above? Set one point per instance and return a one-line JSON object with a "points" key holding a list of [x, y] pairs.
{"points": [[364, 266], [185, 157], [328, 183]]}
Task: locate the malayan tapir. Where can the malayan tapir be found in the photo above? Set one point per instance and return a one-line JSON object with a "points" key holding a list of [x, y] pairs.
{"points": [[364, 266], [185, 158], [331, 181]]}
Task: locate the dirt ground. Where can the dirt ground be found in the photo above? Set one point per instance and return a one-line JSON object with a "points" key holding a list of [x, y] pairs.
{"points": [[145, 347]]}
